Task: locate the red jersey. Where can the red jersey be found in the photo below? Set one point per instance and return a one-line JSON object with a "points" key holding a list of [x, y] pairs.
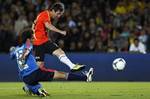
{"points": [[40, 33]]}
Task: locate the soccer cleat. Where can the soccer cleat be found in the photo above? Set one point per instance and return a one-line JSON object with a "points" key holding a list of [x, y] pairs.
{"points": [[89, 74], [27, 91], [42, 93], [77, 67]]}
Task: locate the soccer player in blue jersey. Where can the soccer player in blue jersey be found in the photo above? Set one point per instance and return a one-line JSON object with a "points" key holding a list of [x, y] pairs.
{"points": [[31, 74]]}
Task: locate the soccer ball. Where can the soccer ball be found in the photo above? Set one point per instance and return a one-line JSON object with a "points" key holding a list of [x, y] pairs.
{"points": [[119, 64]]}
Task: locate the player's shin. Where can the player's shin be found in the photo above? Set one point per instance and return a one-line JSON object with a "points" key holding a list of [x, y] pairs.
{"points": [[64, 59], [75, 77]]}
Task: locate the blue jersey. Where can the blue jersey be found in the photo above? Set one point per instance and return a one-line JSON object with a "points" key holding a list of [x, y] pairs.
{"points": [[30, 63]]}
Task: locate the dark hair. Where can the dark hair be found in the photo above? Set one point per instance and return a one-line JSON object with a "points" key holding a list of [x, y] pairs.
{"points": [[57, 7], [24, 35], [136, 39]]}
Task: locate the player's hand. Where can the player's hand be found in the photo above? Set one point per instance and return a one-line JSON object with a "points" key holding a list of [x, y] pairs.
{"points": [[22, 61], [12, 49], [63, 33]]}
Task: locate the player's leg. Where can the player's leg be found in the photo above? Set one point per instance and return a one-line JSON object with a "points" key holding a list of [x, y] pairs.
{"points": [[52, 48], [32, 84], [37, 90], [87, 76], [48, 76], [39, 55], [69, 76], [27, 90], [43, 67], [32, 89], [64, 59], [42, 75], [39, 52]]}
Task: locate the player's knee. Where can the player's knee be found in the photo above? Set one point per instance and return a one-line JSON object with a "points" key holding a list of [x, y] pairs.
{"points": [[58, 52], [59, 75]]}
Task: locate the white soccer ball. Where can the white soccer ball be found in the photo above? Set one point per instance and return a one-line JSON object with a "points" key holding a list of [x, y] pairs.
{"points": [[119, 64]]}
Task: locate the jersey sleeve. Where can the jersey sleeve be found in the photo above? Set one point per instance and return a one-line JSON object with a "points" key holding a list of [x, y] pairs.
{"points": [[46, 18]]}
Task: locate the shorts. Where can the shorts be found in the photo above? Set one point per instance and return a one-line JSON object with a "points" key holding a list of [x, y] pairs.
{"points": [[39, 75], [46, 48]]}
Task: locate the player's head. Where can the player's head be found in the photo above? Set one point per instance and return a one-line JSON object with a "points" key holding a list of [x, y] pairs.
{"points": [[24, 35], [57, 9]]}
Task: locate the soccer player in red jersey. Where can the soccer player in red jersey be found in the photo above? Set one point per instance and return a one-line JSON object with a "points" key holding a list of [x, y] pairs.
{"points": [[43, 44]]}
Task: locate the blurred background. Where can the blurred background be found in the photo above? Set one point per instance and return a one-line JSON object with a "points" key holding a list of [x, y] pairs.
{"points": [[92, 25]]}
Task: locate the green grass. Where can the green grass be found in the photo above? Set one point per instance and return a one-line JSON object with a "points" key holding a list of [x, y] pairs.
{"points": [[81, 90]]}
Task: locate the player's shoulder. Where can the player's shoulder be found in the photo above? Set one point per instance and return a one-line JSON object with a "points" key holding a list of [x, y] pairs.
{"points": [[43, 13]]}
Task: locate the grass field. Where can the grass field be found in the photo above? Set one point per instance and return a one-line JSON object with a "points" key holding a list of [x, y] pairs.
{"points": [[81, 90]]}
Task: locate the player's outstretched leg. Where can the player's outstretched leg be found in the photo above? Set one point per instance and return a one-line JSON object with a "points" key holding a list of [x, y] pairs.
{"points": [[64, 59], [87, 76]]}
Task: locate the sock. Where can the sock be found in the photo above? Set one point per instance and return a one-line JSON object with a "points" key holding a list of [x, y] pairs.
{"points": [[74, 77], [34, 88], [64, 59]]}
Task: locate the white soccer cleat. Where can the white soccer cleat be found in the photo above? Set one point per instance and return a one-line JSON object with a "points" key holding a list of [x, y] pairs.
{"points": [[89, 75]]}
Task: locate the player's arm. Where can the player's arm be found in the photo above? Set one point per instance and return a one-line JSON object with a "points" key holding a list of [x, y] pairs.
{"points": [[26, 51], [53, 28], [12, 52], [24, 56], [33, 26]]}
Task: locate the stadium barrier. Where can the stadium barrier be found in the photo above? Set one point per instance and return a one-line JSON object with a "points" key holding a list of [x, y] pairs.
{"points": [[137, 68]]}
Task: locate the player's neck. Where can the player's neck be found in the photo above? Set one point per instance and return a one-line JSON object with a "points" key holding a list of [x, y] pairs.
{"points": [[50, 13]]}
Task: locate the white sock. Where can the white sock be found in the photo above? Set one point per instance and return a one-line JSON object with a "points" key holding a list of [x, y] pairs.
{"points": [[64, 59]]}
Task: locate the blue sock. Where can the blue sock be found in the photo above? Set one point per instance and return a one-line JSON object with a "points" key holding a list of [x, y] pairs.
{"points": [[74, 77], [34, 88]]}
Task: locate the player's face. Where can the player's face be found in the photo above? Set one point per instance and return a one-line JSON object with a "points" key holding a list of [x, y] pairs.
{"points": [[58, 14]]}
